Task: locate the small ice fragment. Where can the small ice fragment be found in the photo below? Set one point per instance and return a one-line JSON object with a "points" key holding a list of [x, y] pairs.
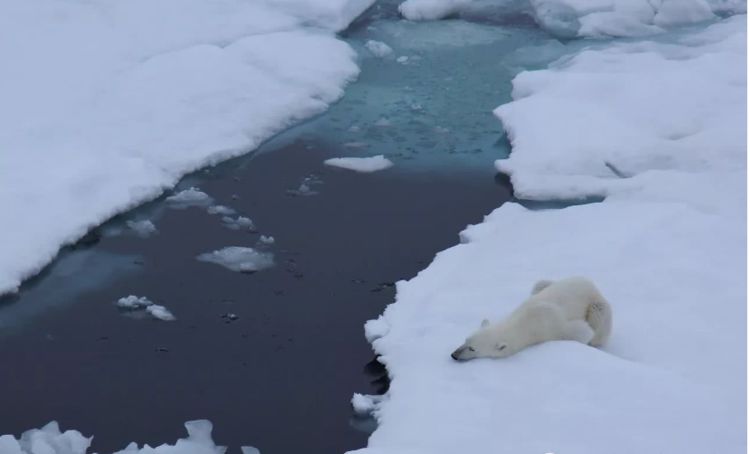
{"points": [[364, 404], [403, 59], [160, 313], [134, 302], [366, 165], [378, 48], [143, 229], [189, 198], [383, 122], [249, 450], [221, 209], [230, 317], [239, 223], [238, 258], [266, 239]]}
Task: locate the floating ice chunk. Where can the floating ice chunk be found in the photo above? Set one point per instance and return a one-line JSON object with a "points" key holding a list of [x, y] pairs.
{"points": [[238, 258], [365, 165], [47, 440], [221, 210], [249, 450], [378, 48], [134, 302], [160, 313], [189, 198], [364, 404], [305, 188], [238, 223], [143, 229], [266, 239], [199, 441], [403, 59], [383, 122]]}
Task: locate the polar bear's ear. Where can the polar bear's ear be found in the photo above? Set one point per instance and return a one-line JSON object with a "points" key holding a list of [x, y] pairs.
{"points": [[485, 323]]}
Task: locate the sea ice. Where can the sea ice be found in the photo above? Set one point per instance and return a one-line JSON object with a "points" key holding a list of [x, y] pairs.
{"points": [[238, 258], [364, 165]]}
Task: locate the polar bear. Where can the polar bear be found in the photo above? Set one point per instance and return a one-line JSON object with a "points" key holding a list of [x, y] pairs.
{"points": [[568, 309]]}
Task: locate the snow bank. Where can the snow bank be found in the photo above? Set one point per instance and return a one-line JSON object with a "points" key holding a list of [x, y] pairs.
{"points": [[50, 440], [238, 258], [107, 104], [364, 165], [659, 115], [666, 247], [597, 18]]}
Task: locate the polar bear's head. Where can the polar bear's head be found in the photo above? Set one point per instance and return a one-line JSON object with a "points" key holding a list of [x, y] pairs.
{"points": [[488, 342]]}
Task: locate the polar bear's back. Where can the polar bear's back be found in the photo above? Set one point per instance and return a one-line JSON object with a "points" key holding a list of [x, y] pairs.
{"points": [[572, 296]]}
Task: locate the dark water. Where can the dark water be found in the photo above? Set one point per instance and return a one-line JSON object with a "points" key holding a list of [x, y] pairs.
{"points": [[281, 376]]}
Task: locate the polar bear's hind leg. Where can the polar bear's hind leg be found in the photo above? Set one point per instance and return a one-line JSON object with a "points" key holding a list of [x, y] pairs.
{"points": [[578, 330], [599, 317]]}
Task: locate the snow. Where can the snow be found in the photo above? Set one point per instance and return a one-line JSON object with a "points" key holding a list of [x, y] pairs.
{"points": [[590, 18], [378, 48], [238, 258], [364, 165], [666, 247], [143, 228], [107, 104]]}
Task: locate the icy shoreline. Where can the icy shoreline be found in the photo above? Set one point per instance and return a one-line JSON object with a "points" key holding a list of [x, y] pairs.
{"points": [[105, 106], [667, 247]]}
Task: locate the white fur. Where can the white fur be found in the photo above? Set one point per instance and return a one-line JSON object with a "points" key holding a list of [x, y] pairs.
{"points": [[568, 309]]}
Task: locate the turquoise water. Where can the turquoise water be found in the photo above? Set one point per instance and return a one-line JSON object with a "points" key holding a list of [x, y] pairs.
{"points": [[428, 106]]}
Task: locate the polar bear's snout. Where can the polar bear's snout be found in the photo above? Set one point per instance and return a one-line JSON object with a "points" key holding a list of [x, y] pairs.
{"points": [[457, 354]]}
